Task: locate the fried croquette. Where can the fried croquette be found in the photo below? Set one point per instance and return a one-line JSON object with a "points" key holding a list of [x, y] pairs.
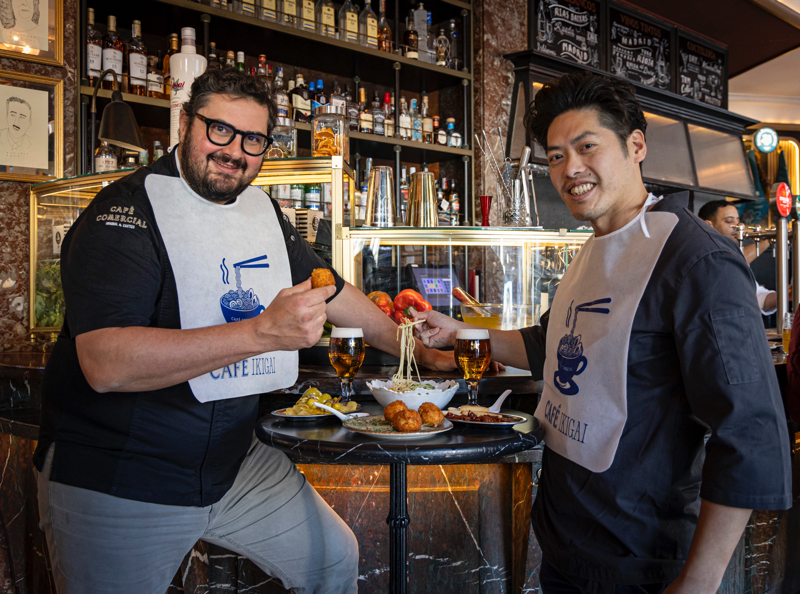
{"points": [[393, 408], [407, 421], [431, 414], [321, 277]]}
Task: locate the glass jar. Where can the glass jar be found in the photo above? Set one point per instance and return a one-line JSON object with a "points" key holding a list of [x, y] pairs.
{"points": [[284, 140], [330, 134]]}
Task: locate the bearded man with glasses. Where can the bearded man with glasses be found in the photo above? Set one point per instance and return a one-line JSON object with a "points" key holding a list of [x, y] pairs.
{"points": [[187, 296]]}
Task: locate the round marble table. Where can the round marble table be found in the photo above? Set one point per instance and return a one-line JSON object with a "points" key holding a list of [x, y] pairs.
{"points": [[326, 441]]}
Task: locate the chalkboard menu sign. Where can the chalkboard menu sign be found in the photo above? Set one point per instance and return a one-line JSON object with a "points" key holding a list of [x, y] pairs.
{"points": [[568, 29], [640, 49], [702, 71]]}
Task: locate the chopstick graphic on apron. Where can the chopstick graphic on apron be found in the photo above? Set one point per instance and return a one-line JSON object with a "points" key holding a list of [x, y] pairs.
{"points": [[571, 361]]}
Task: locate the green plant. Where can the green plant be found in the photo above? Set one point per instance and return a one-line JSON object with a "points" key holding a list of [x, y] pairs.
{"points": [[49, 299]]}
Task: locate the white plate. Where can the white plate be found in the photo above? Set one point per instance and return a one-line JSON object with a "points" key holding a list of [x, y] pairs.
{"points": [[363, 426], [279, 413]]}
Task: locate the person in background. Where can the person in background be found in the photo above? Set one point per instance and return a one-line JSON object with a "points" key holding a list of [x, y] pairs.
{"points": [[723, 216], [654, 362]]}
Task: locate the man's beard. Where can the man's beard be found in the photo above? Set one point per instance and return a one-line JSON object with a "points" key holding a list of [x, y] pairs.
{"points": [[202, 182]]}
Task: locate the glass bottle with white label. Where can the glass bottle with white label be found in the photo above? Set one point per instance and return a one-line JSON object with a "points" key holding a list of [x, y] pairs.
{"points": [[289, 12], [268, 10], [112, 53], [155, 82], [307, 16], [348, 22], [453, 137], [105, 158], [184, 67], [137, 61], [368, 26], [404, 120], [94, 50], [326, 18]]}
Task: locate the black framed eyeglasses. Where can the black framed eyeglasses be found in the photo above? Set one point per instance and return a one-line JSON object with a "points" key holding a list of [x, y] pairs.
{"points": [[221, 133]]}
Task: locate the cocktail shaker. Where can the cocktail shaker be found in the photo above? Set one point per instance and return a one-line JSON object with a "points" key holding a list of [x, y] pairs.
{"points": [[422, 201], [380, 198]]}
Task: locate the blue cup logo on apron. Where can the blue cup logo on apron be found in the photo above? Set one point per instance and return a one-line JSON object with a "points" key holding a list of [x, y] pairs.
{"points": [[571, 361], [238, 304]]}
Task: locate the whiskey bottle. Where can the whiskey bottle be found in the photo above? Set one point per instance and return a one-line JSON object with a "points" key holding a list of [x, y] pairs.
{"points": [[213, 59], [378, 117], [411, 39], [301, 100], [173, 49], [337, 99], [384, 30], [427, 122], [365, 122], [289, 16], [94, 50], [248, 8], [322, 99], [155, 81], [268, 10], [416, 122], [230, 59], [388, 117], [404, 121], [348, 22], [137, 61], [112, 53], [326, 18], [368, 26], [307, 21]]}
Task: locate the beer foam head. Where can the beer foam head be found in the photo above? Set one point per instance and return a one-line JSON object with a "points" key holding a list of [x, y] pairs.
{"points": [[469, 334], [347, 333]]}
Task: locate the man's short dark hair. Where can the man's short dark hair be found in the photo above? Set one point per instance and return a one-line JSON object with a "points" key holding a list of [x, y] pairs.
{"points": [[709, 210], [615, 102], [17, 100], [229, 81]]}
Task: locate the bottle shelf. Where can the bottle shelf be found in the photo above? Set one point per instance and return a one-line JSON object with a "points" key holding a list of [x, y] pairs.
{"points": [[288, 45]]}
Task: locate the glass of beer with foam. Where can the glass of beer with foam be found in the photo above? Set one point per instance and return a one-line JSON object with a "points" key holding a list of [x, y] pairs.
{"points": [[473, 352], [346, 352]]}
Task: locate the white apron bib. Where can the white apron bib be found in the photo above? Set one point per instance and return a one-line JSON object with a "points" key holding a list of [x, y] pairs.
{"points": [[584, 401], [229, 262]]}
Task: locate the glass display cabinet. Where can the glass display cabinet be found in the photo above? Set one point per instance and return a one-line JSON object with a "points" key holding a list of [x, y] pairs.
{"points": [[515, 271]]}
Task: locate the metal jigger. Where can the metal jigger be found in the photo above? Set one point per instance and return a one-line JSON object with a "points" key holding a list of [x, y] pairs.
{"points": [[422, 201], [380, 198]]}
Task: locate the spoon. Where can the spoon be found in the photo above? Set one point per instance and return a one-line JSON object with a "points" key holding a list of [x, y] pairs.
{"points": [[341, 415], [495, 408]]}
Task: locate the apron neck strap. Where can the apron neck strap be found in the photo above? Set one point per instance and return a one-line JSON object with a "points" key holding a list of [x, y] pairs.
{"points": [[651, 199]]}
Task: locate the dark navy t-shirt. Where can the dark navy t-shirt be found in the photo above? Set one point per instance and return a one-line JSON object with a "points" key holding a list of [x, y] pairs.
{"points": [[698, 366], [161, 446]]}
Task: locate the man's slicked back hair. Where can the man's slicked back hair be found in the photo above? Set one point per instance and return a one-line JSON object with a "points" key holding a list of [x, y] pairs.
{"points": [[231, 82], [614, 100]]}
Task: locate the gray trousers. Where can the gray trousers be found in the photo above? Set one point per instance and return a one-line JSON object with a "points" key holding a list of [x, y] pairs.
{"points": [[271, 515]]}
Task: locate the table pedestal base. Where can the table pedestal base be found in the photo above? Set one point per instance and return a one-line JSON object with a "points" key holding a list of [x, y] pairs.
{"points": [[398, 521]]}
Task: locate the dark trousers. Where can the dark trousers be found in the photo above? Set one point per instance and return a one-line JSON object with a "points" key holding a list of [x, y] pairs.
{"points": [[552, 581]]}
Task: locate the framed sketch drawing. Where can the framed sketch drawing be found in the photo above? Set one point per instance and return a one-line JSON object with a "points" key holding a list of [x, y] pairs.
{"points": [[31, 127], [32, 30]]}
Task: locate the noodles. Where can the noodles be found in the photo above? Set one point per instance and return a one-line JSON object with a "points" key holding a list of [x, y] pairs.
{"points": [[403, 382]]}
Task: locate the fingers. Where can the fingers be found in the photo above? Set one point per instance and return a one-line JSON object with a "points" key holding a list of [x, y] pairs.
{"points": [[298, 288]]}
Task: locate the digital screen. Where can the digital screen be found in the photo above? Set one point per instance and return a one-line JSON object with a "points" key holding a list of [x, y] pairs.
{"points": [[436, 285]]}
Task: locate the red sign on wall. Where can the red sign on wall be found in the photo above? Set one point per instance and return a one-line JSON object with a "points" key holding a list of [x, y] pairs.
{"points": [[783, 199]]}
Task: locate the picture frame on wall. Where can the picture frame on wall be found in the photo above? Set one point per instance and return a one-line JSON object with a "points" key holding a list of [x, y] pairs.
{"points": [[702, 70], [32, 30], [31, 127]]}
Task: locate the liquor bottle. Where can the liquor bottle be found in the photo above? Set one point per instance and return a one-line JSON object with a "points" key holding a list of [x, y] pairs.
{"points": [[261, 70], [105, 158], [442, 49], [421, 27], [213, 59], [388, 116], [452, 34], [296, 193], [249, 8], [312, 95], [404, 120], [437, 130], [368, 26], [184, 68], [322, 99], [326, 18], [230, 59], [337, 99], [427, 122], [352, 109], [173, 49], [443, 206], [155, 82], [365, 122], [455, 205], [137, 61], [268, 10], [416, 122], [410, 38], [384, 30], [453, 137], [403, 193], [240, 61], [112, 53], [301, 100], [313, 196], [253, 71], [307, 20], [348, 22], [378, 116], [158, 150], [289, 16], [270, 79], [281, 98], [94, 50]]}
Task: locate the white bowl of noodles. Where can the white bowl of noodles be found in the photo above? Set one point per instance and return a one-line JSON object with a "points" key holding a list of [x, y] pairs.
{"points": [[438, 393]]}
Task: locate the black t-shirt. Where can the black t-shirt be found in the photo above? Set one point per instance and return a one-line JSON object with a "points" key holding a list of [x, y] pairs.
{"points": [[698, 363], [161, 446]]}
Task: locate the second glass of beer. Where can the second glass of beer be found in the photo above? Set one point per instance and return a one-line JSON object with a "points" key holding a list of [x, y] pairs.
{"points": [[473, 352], [346, 353]]}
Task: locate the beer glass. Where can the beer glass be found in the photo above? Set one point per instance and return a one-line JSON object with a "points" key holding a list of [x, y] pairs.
{"points": [[346, 353], [473, 352]]}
